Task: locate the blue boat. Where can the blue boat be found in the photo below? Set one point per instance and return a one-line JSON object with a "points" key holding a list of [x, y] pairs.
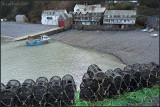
{"points": [[32, 42]]}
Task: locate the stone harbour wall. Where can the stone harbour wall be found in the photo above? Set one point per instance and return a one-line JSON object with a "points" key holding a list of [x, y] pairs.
{"points": [[104, 27]]}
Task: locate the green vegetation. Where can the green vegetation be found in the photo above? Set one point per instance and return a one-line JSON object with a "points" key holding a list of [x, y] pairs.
{"points": [[33, 9], [128, 98]]}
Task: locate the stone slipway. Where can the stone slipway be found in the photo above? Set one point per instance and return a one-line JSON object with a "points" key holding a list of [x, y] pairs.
{"points": [[47, 32]]}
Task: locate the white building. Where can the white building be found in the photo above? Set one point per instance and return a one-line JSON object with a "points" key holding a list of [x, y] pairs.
{"points": [[119, 17], [50, 17], [79, 7], [21, 18]]}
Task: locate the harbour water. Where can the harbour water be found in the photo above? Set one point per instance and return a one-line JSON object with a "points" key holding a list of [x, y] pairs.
{"points": [[21, 62]]}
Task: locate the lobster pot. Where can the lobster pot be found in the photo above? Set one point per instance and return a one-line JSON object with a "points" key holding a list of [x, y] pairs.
{"points": [[29, 83], [116, 79], [2, 87], [106, 85], [39, 95], [111, 91], [68, 79], [68, 94], [7, 98], [136, 72], [85, 92], [55, 81], [24, 97], [145, 74], [54, 95], [42, 81], [154, 72], [69, 88], [126, 78], [14, 85], [135, 80], [92, 70], [100, 76], [111, 87], [90, 91], [55, 91], [86, 79]]}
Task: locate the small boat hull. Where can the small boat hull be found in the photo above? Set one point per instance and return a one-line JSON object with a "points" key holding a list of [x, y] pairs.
{"points": [[34, 43]]}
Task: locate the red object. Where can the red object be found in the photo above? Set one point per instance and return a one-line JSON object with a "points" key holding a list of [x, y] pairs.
{"points": [[135, 9], [60, 23]]}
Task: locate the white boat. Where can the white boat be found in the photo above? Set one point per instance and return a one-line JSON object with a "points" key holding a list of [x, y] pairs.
{"points": [[32, 42]]}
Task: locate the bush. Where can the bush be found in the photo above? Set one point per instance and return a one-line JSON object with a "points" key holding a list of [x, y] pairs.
{"points": [[123, 6], [111, 8]]}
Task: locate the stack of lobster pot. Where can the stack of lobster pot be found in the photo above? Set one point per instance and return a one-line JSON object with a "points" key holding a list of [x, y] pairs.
{"points": [[135, 81], [125, 81], [8, 93], [69, 89], [116, 81], [154, 73], [142, 75], [40, 91], [91, 87], [107, 84], [150, 74], [55, 91], [24, 93]]}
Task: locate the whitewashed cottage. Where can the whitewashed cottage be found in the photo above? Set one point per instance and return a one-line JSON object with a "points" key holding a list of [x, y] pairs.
{"points": [[91, 16], [50, 17]]}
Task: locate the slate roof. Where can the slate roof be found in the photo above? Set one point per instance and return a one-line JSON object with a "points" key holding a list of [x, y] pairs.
{"points": [[20, 15], [53, 12], [120, 12], [65, 16], [88, 6], [95, 10]]}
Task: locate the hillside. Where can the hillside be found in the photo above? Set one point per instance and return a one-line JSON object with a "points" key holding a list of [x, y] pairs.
{"points": [[33, 9]]}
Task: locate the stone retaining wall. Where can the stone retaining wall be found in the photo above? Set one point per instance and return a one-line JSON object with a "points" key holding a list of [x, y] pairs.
{"points": [[104, 27]]}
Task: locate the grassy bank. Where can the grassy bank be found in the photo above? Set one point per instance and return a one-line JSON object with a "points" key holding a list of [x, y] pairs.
{"points": [[139, 97]]}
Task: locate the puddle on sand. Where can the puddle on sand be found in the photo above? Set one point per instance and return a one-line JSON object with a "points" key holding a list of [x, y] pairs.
{"points": [[21, 62]]}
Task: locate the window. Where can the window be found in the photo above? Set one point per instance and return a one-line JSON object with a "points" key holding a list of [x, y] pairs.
{"points": [[49, 17]]}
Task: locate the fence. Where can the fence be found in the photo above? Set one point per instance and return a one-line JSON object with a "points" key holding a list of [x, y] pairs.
{"points": [[96, 86]]}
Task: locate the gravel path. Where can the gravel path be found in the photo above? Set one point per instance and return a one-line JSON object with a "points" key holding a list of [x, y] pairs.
{"points": [[17, 29], [129, 46]]}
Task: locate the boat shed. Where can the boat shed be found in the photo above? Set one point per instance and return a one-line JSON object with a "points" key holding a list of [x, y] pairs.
{"points": [[21, 18], [65, 20]]}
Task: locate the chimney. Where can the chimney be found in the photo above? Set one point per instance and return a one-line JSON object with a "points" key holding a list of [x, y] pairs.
{"points": [[86, 4], [135, 9], [106, 7], [92, 7]]}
